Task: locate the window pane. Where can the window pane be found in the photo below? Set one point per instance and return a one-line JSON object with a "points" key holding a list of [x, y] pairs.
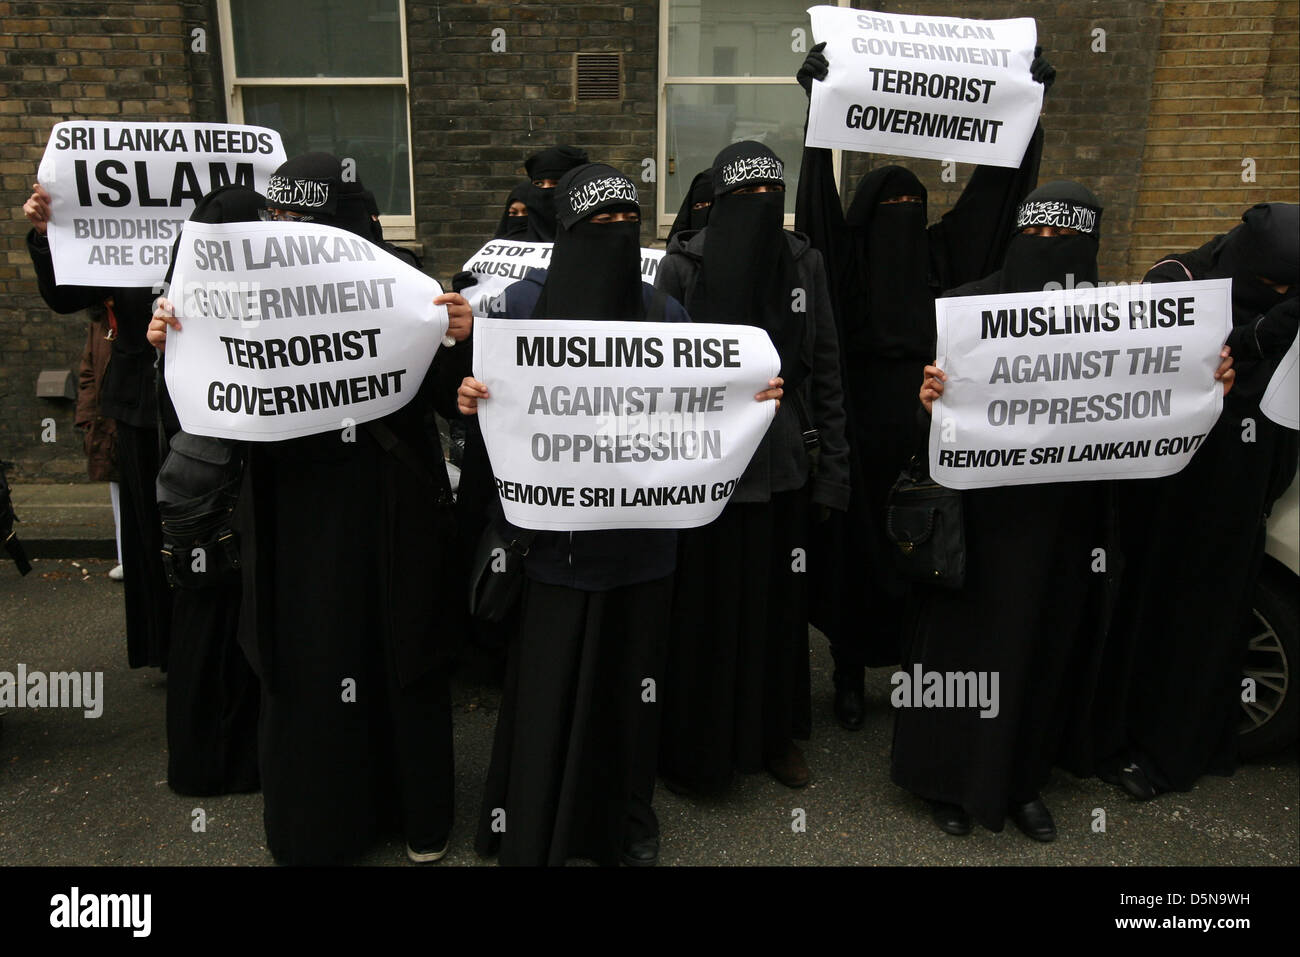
{"points": [[703, 119], [735, 37], [317, 37], [367, 124]]}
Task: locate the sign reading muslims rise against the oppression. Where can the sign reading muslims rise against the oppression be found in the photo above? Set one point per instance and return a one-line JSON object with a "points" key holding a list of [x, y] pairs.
{"points": [[934, 87], [1077, 384], [620, 424]]}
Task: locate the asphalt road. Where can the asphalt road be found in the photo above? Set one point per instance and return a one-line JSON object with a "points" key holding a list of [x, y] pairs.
{"points": [[93, 791]]}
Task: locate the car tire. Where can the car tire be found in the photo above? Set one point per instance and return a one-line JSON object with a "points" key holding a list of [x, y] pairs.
{"points": [[1271, 723]]}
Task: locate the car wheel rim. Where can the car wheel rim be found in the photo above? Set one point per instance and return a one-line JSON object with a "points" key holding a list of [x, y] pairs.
{"points": [[1267, 665]]}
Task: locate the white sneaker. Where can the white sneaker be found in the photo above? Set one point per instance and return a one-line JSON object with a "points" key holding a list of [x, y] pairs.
{"points": [[116, 573], [426, 857]]}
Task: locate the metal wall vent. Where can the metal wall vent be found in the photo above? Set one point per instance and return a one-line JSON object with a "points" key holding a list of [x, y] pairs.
{"points": [[598, 76]]}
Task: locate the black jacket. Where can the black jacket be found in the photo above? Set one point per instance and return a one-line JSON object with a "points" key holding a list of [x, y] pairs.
{"points": [[127, 392], [606, 558], [781, 463]]}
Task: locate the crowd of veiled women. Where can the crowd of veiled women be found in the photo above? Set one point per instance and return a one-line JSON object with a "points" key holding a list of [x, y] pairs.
{"points": [[1131, 674]]}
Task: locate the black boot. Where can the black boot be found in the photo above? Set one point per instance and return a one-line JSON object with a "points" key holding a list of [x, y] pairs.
{"points": [[850, 699]]}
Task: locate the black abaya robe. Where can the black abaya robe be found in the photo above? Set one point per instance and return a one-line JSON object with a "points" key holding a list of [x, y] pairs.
{"points": [[858, 598], [345, 619], [1169, 691]]}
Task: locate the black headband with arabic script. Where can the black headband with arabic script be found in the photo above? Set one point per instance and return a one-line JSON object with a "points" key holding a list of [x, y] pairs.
{"points": [[594, 188], [1063, 204], [746, 163]]}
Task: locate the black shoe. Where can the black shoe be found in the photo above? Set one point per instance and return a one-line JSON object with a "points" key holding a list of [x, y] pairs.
{"points": [[950, 818], [643, 853], [1035, 820], [850, 707], [1134, 780]]}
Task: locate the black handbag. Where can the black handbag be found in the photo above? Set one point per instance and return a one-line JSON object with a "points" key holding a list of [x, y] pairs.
{"points": [[197, 488], [924, 521], [497, 577]]}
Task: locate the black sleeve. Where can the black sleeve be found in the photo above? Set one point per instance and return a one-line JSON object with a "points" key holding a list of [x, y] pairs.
{"points": [[62, 299], [819, 215], [970, 241]]}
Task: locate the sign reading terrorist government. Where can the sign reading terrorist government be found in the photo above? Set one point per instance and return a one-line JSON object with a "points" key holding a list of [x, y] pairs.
{"points": [[290, 329], [935, 87]]}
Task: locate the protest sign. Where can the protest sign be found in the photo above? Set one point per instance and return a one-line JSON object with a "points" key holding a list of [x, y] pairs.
{"points": [[290, 329], [504, 261], [120, 191], [620, 424], [935, 87], [1281, 401], [1077, 384]]}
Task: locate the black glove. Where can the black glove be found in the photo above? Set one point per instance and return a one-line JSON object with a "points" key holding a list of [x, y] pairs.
{"points": [[463, 280], [1276, 329], [1042, 71], [814, 67]]}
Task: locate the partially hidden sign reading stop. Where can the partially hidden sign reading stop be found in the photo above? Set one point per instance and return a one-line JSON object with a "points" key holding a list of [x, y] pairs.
{"points": [[290, 329], [620, 424], [120, 192]]}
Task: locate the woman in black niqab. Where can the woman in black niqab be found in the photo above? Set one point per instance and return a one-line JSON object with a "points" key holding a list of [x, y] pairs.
{"points": [[694, 211], [342, 542], [212, 693], [1169, 699], [1030, 610], [886, 266], [573, 756]]}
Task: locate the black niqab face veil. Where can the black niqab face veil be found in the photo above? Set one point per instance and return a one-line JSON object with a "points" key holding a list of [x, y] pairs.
{"points": [[516, 227], [749, 276], [595, 269], [1035, 263], [892, 250], [688, 216], [1266, 246]]}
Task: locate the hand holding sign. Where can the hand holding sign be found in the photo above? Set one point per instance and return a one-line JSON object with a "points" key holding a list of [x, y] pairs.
{"points": [[37, 208]]}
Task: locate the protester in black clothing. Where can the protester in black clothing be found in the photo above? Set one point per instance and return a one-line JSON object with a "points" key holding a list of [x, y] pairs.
{"points": [[694, 211], [516, 217], [212, 693], [1028, 603], [344, 552], [126, 396], [544, 170], [737, 692], [886, 267], [573, 760], [1167, 704], [1031, 610]]}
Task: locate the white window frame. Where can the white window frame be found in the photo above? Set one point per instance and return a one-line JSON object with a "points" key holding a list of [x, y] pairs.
{"points": [[664, 218], [395, 227]]}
